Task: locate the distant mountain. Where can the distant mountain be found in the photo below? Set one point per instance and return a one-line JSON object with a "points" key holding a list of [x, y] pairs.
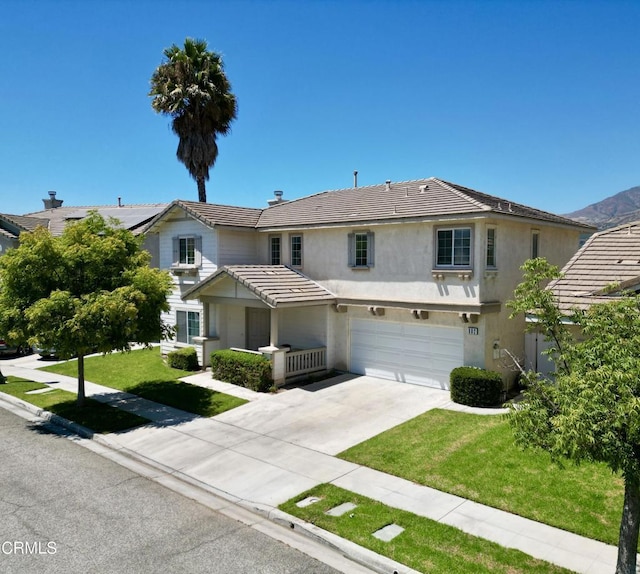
{"points": [[620, 208]]}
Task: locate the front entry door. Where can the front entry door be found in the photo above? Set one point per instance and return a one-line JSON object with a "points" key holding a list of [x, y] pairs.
{"points": [[258, 328]]}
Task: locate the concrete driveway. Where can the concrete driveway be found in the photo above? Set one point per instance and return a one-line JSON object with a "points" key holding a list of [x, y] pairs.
{"points": [[333, 415], [278, 445]]}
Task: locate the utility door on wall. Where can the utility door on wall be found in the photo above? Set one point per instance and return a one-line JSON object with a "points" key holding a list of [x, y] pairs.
{"points": [[258, 328], [419, 354]]}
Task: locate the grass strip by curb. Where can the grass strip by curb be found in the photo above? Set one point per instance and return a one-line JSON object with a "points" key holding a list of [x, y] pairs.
{"points": [[99, 417], [144, 373], [425, 545]]}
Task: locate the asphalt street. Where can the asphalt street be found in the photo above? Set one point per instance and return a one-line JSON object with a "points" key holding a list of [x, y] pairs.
{"points": [[64, 508]]}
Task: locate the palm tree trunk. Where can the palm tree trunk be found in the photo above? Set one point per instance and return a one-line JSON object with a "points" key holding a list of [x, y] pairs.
{"points": [[202, 192], [628, 542], [81, 395]]}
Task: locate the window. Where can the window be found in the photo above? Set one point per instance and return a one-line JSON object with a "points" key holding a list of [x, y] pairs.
{"points": [[361, 249], [296, 250], [188, 326], [491, 247], [275, 249], [187, 251], [454, 247], [535, 244]]}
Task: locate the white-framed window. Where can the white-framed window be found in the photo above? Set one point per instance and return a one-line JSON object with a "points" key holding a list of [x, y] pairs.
{"points": [[535, 244], [453, 247], [361, 249], [491, 261], [187, 251], [275, 249], [187, 326], [295, 247]]}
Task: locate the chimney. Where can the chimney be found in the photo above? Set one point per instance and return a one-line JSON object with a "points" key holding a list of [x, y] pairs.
{"points": [[278, 198], [52, 202], [388, 185], [355, 178]]}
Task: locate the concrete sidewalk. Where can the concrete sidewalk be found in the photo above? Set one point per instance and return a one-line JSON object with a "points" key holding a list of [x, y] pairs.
{"points": [[278, 446]]}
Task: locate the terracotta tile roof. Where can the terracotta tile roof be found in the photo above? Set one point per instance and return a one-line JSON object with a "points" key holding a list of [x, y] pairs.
{"points": [[212, 214], [422, 198], [275, 285], [610, 257]]}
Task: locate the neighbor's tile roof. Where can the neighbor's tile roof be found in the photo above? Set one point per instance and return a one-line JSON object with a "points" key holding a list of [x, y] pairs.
{"points": [[23, 222], [611, 257], [131, 217], [402, 200], [212, 214], [276, 285]]}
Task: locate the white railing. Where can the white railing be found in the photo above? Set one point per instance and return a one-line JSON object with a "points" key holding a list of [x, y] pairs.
{"points": [[306, 361]]}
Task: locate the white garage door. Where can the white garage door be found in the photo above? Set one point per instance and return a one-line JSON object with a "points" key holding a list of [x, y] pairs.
{"points": [[418, 354]]}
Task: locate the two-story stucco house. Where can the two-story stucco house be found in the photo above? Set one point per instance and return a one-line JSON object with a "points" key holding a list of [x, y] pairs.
{"points": [[402, 280]]}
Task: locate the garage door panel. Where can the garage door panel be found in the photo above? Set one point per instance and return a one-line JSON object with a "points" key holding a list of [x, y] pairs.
{"points": [[409, 353]]}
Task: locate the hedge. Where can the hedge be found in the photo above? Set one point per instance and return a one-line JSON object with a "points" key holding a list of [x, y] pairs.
{"points": [[185, 359], [475, 387], [243, 369]]}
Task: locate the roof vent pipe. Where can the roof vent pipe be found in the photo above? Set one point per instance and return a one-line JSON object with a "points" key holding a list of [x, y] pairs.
{"points": [[388, 185], [355, 178]]}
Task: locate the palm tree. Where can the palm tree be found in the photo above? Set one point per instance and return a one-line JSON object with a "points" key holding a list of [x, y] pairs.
{"points": [[192, 88]]}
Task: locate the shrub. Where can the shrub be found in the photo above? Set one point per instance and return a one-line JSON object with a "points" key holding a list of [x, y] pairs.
{"points": [[185, 359], [243, 369], [475, 387]]}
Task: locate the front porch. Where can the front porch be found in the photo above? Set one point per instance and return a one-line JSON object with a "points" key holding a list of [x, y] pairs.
{"points": [[271, 310]]}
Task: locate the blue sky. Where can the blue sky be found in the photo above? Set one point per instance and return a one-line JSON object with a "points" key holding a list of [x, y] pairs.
{"points": [[533, 101]]}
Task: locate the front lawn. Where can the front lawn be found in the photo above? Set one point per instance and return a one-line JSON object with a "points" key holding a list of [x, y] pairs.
{"points": [[99, 417], [474, 456], [143, 372], [425, 545]]}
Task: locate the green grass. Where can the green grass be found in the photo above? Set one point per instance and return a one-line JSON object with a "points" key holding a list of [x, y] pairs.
{"points": [[425, 545], [99, 417], [474, 456], [144, 373]]}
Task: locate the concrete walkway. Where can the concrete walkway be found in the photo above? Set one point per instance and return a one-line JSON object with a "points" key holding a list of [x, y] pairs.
{"points": [[277, 446]]}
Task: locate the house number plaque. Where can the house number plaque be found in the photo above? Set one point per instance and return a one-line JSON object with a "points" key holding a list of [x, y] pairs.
{"points": [[473, 330]]}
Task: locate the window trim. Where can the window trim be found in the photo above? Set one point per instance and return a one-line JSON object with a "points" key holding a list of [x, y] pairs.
{"points": [[188, 339], [197, 252], [291, 250], [452, 264], [352, 249], [272, 238]]}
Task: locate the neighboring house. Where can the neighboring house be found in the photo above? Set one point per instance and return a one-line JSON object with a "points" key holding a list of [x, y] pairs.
{"points": [[605, 267], [11, 226], [403, 280], [54, 217]]}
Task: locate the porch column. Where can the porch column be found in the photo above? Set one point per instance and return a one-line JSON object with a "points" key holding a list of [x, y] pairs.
{"points": [[273, 330]]}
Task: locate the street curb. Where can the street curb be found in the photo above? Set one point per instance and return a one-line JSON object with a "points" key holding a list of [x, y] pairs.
{"points": [[348, 549]]}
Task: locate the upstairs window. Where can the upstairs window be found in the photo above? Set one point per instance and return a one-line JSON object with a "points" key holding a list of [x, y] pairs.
{"points": [[187, 251], [491, 247], [361, 252], [275, 249], [296, 250], [535, 244], [454, 247]]}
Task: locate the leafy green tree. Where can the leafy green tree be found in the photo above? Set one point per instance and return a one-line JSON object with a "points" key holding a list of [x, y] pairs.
{"points": [[192, 87], [590, 411], [90, 289]]}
